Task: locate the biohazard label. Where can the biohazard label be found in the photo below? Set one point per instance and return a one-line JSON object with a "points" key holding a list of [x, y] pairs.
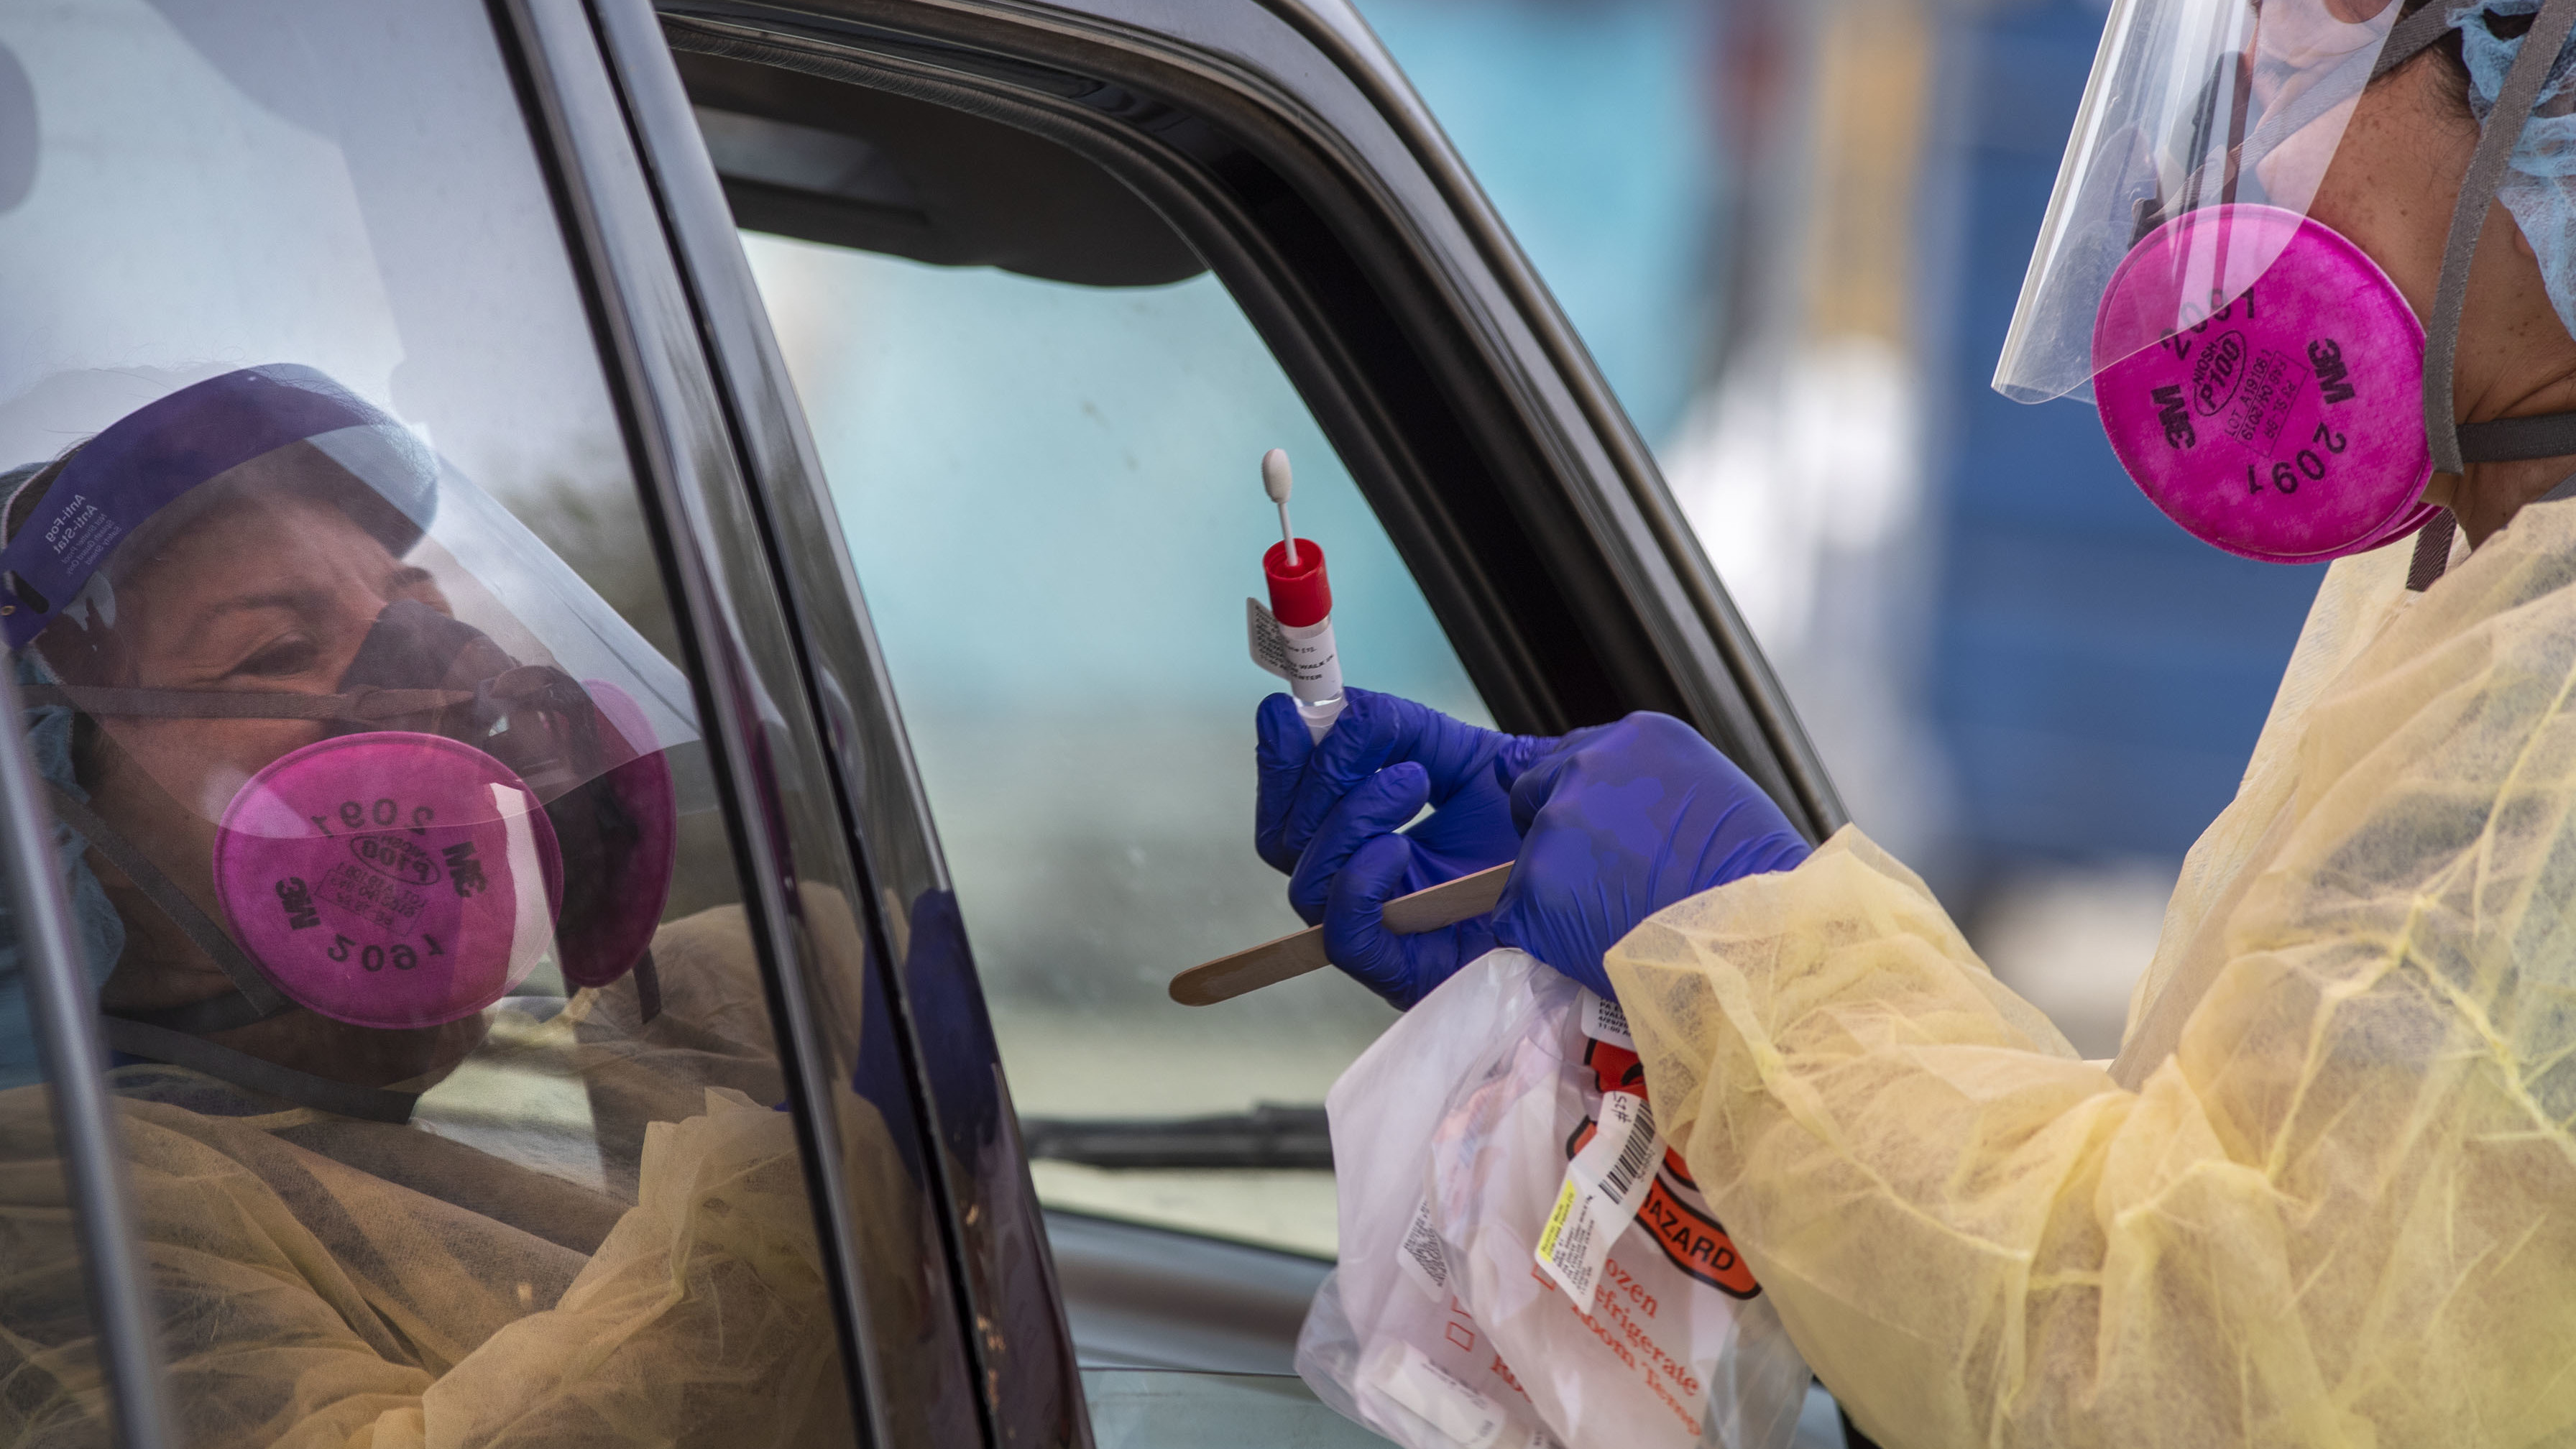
{"points": [[1673, 1211], [1691, 1239], [1421, 1257], [1604, 1186]]}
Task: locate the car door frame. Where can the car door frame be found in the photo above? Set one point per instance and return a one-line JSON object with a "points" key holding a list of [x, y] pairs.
{"points": [[587, 93], [1324, 131]]}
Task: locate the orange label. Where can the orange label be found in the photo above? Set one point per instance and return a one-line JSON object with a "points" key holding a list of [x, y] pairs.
{"points": [[1674, 1212]]}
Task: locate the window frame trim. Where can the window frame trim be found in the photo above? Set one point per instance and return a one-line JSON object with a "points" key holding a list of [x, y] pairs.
{"points": [[998, 1264], [659, 368]]}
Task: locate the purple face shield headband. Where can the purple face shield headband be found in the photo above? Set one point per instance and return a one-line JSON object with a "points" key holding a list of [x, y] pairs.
{"points": [[151, 457]]}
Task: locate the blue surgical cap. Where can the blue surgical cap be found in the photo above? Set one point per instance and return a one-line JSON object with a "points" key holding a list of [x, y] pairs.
{"points": [[2539, 185]]}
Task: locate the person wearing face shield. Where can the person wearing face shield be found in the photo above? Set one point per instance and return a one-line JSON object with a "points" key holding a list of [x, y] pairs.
{"points": [[437, 1132], [2315, 263]]}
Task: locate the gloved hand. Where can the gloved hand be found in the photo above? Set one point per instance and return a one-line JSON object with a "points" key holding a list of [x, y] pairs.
{"points": [[1619, 822], [1622, 822], [1382, 761]]}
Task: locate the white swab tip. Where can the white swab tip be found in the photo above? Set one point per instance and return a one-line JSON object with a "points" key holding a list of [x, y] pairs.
{"points": [[1274, 474]]}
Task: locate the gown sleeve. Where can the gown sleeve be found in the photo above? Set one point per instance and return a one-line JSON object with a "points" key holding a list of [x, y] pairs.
{"points": [[2342, 1208]]}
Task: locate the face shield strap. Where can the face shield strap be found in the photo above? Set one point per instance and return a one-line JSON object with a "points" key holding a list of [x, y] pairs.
{"points": [[366, 705], [2513, 107], [2416, 34]]}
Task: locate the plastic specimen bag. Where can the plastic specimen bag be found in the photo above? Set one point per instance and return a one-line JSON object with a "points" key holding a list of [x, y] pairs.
{"points": [[1388, 1342], [1522, 1261]]}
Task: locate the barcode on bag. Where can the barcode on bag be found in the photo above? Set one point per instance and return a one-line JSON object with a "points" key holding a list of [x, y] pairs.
{"points": [[1420, 1256], [1634, 1159], [1604, 1186]]}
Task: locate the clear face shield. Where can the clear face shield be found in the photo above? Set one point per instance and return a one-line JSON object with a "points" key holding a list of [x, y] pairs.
{"points": [[2192, 104], [352, 729], [2262, 380]]}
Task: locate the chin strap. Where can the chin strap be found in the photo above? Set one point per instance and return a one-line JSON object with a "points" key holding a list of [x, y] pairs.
{"points": [[180, 1049]]}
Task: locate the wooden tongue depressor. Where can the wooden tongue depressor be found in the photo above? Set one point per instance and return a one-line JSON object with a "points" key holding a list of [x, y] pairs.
{"points": [[1228, 977]]}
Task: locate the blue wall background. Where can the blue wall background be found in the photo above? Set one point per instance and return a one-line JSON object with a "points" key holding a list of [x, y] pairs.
{"points": [[2099, 677]]}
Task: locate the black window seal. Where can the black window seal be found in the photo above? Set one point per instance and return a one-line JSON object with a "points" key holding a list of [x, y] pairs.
{"points": [[1027, 1387], [650, 350]]}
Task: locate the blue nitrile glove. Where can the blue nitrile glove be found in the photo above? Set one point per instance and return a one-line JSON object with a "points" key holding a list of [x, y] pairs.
{"points": [[1620, 821], [1382, 761]]}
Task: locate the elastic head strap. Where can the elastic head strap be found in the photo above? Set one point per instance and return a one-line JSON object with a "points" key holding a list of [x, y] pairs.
{"points": [[2516, 440], [2416, 34], [367, 705], [2513, 107]]}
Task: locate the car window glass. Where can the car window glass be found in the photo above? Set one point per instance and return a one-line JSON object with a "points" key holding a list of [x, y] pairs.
{"points": [[449, 1084], [42, 1262], [1048, 482]]}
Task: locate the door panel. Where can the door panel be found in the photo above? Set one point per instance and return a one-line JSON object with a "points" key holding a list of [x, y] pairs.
{"points": [[73, 1285]]}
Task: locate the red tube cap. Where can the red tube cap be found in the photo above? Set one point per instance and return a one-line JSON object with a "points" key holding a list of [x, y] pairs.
{"points": [[1302, 595]]}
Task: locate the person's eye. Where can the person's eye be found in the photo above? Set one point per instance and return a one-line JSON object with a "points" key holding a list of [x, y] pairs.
{"points": [[289, 656]]}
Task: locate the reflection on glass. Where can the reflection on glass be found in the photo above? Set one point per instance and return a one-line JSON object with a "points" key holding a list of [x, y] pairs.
{"points": [[53, 1360], [448, 1085], [1052, 497]]}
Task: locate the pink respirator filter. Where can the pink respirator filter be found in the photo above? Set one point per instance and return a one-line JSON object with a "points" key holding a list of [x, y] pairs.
{"points": [[2285, 425], [389, 879]]}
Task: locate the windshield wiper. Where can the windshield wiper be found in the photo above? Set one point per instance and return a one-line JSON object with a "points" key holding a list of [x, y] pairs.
{"points": [[1270, 1135]]}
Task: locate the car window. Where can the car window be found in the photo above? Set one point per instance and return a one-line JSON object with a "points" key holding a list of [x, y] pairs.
{"points": [[450, 1093], [44, 1266], [1042, 422]]}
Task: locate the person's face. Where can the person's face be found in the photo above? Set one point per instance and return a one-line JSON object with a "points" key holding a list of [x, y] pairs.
{"points": [[265, 592], [269, 593]]}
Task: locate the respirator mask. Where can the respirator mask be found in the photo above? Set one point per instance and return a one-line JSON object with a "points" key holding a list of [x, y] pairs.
{"points": [[2260, 378], [484, 790]]}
